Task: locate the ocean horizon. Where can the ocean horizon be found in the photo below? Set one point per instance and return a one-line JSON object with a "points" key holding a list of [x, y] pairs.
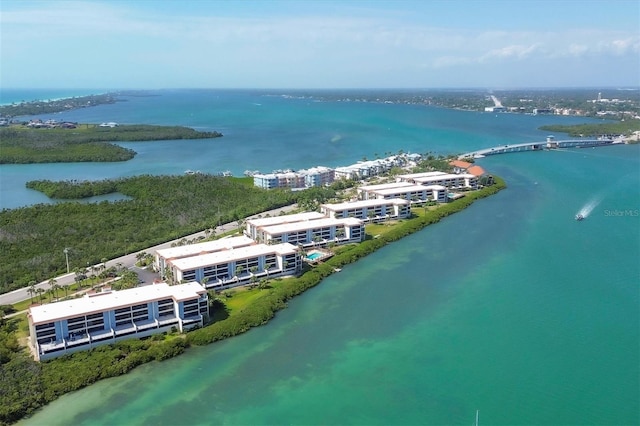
{"points": [[510, 307]]}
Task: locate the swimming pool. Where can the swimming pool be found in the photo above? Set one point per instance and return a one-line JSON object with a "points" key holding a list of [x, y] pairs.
{"points": [[314, 255]]}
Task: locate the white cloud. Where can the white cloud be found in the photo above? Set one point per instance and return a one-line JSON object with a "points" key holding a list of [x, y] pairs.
{"points": [[516, 51], [332, 45]]}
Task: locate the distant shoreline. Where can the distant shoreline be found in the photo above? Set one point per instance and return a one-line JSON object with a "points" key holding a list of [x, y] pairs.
{"points": [[64, 142]]}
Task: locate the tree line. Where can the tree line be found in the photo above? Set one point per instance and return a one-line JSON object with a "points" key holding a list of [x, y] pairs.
{"points": [[26, 385], [87, 142], [596, 129], [160, 208]]}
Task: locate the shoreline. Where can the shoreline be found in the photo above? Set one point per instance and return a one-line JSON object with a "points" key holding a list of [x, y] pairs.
{"points": [[127, 355]]}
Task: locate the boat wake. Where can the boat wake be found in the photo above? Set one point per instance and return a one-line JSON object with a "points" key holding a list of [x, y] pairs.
{"points": [[586, 210]]}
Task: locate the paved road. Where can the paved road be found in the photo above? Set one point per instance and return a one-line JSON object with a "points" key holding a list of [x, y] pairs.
{"points": [[129, 260]]}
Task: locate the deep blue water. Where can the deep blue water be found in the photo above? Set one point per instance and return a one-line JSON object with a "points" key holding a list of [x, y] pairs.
{"points": [[510, 307]]}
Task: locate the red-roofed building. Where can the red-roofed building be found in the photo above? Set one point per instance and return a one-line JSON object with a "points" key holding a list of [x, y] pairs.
{"points": [[476, 171], [463, 167]]}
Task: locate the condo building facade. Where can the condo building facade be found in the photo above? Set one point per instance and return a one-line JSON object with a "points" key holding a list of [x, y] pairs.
{"points": [[320, 175], [415, 193], [237, 266], [372, 210], [254, 225], [313, 233], [163, 256], [305, 229], [102, 318], [461, 181]]}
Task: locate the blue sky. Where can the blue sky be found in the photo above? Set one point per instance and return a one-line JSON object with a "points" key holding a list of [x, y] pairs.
{"points": [[319, 44]]}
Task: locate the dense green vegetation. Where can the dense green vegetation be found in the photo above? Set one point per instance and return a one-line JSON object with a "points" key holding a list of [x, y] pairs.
{"points": [[53, 106], [596, 129], [162, 208], [264, 308], [87, 142], [26, 385]]}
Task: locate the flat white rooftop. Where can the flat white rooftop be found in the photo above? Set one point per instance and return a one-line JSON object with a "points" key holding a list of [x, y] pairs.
{"points": [[101, 302], [325, 222], [249, 252], [289, 218], [384, 186], [206, 247], [444, 176], [364, 204], [420, 175], [407, 189]]}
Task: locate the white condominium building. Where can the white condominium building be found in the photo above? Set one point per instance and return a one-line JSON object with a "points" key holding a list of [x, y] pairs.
{"points": [[317, 176], [253, 225], [318, 232], [406, 190], [449, 180], [188, 250], [238, 266], [373, 210], [278, 180], [101, 318], [364, 169]]}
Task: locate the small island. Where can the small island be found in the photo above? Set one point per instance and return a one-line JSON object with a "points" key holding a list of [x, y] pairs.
{"points": [[57, 105], [63, 142]]}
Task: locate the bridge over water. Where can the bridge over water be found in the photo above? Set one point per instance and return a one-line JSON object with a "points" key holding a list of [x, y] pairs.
{"points": [[550, 143]]}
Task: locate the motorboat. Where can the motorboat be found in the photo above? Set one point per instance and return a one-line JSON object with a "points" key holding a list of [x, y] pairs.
{"points": [[579, 217]]}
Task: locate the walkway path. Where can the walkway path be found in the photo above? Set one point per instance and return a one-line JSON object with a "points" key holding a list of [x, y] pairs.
{"points": [[129, 260]]}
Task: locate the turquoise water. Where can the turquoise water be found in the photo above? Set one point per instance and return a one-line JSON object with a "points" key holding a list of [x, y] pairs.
{"points": [[510, 307], [10, 96], [263, 131], [314, 256]]}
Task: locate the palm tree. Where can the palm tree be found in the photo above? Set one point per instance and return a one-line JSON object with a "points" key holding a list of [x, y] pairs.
{"points": [[32, 289], [240, 223], [140, 256], [239, 270], [53, 284], [39, 291]]}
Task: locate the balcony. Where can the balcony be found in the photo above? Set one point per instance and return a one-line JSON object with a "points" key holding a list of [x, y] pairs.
{"points": [[146, 324], [53, 346], [125, 329], [192, 318], [167, 321], [78, 340]]}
